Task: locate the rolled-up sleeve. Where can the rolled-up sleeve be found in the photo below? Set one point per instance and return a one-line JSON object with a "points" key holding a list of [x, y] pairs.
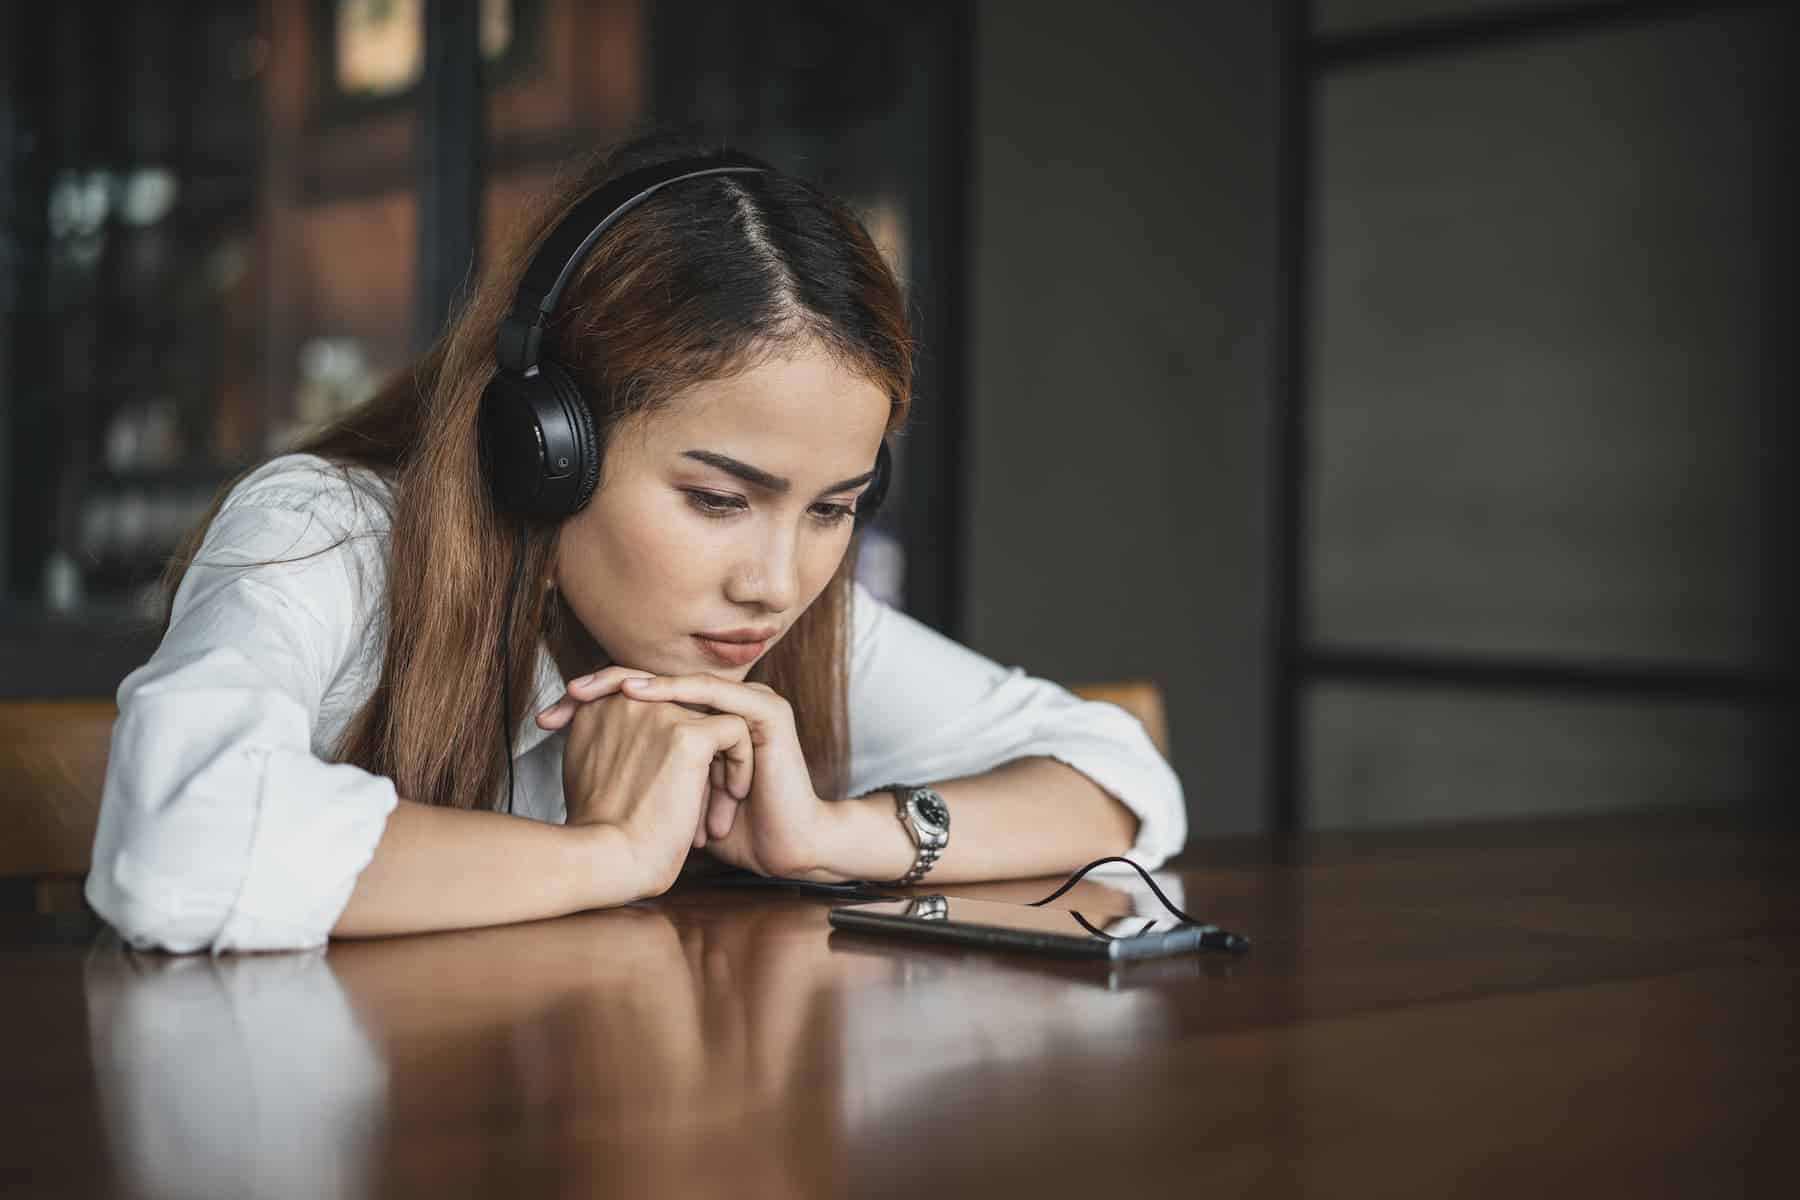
{"points": [[924, 708], [220, 827]]}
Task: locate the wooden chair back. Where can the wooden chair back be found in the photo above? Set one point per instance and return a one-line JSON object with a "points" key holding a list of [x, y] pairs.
{"points": [[52, 765], [1139, 697]]}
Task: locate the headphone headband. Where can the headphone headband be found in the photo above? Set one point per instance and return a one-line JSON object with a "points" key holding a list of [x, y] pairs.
{"points": [[554, 264]]}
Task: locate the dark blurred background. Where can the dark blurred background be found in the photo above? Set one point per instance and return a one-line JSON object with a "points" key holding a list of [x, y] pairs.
{"points": [[1404, 385]]}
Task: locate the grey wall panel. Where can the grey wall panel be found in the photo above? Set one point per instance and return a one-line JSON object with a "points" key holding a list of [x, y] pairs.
{"points": [[1123, 307], [1552, 349], [1390, 756], [1362, 16]]}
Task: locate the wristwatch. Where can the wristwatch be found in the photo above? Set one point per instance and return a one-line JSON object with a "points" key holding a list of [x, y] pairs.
{"points": [[927, 821]]}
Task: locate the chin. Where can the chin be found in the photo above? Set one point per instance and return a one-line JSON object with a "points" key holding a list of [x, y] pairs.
{"points": [[693, 664]]}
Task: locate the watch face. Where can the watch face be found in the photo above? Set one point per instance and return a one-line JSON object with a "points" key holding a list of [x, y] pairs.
{"points": [[931, 810]]}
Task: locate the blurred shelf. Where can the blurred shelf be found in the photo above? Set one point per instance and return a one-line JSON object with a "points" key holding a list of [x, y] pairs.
{"points": [[50, 657]]}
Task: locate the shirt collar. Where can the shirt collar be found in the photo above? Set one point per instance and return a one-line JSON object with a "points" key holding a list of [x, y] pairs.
{"points": [[547, 690]]}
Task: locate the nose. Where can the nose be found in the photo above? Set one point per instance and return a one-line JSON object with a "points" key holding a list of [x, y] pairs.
{"points": [[768, 573]]}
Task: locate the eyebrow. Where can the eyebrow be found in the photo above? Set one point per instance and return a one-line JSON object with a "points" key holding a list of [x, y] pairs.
{"points": [[759, 478]]}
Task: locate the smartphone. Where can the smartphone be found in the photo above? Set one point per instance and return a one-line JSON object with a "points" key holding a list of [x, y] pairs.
{"points": [[1020, 927]]}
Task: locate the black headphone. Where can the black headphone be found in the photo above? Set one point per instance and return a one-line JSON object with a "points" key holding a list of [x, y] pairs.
{"points": [[538, 443]]}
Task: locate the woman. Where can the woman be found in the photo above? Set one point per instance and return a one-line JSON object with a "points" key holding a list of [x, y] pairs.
{"points": [[332, 737]]}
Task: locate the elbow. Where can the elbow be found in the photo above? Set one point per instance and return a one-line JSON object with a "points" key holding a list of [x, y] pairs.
{"points": [[147, 914], [1128, 764], [168, 862], [1165, 835], [215, 857], [164, 874], [186, 799]]}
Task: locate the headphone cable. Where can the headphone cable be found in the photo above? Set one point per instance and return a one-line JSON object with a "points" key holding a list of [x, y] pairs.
{"points": [[506, 721], [1211, 936]]}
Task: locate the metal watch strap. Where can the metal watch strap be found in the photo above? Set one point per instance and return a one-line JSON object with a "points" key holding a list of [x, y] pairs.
{"points": [[924, 857]]}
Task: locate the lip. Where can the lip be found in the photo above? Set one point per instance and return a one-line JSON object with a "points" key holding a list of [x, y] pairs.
{"points": [[730, 653], [739, 635]]}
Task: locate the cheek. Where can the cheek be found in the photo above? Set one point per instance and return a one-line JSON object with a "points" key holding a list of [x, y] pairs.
{"points": [[623, 548], [822, 562]]}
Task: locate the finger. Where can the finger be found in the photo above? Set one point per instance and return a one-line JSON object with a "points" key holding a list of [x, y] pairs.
{"points": [[604, 682], [700, 822], [721, 814], [729, 737], [585, 689], [759, 706], [557, 715], [739, 774], [717, 826], [726, 781]]}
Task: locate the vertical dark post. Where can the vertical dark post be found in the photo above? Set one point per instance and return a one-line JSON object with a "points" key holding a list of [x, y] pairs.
{"points": [[25, 366], [1287, 480], [14, 132], [936, 500], [450, 160]]}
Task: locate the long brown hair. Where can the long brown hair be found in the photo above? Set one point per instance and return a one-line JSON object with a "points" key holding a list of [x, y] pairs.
{"points": [[693, 285]]}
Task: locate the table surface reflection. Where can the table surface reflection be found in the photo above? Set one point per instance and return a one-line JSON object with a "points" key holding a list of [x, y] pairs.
{"points": [[1574, 1007]]}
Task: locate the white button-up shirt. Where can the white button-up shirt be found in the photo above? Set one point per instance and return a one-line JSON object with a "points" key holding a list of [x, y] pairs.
{"points": [[225, 825]]}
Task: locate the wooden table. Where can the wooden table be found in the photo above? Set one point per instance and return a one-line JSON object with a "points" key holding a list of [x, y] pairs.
{"points": [[1598, 1007]]}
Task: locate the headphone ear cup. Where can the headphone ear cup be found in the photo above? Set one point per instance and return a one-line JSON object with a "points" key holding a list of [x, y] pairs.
{"points": [[538, 444], [877, 491], [511, 445], [579, 418]]}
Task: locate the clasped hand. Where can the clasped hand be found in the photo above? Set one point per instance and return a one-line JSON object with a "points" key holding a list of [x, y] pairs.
{"points": [[679, 761]]}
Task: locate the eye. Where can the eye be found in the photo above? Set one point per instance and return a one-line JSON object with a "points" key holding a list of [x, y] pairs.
{"points": [[717, 506], [833, 514], [712, 504]]}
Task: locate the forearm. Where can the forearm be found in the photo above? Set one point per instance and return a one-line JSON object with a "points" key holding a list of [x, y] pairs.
{"points": [[446, 868], [1034, 816]]}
